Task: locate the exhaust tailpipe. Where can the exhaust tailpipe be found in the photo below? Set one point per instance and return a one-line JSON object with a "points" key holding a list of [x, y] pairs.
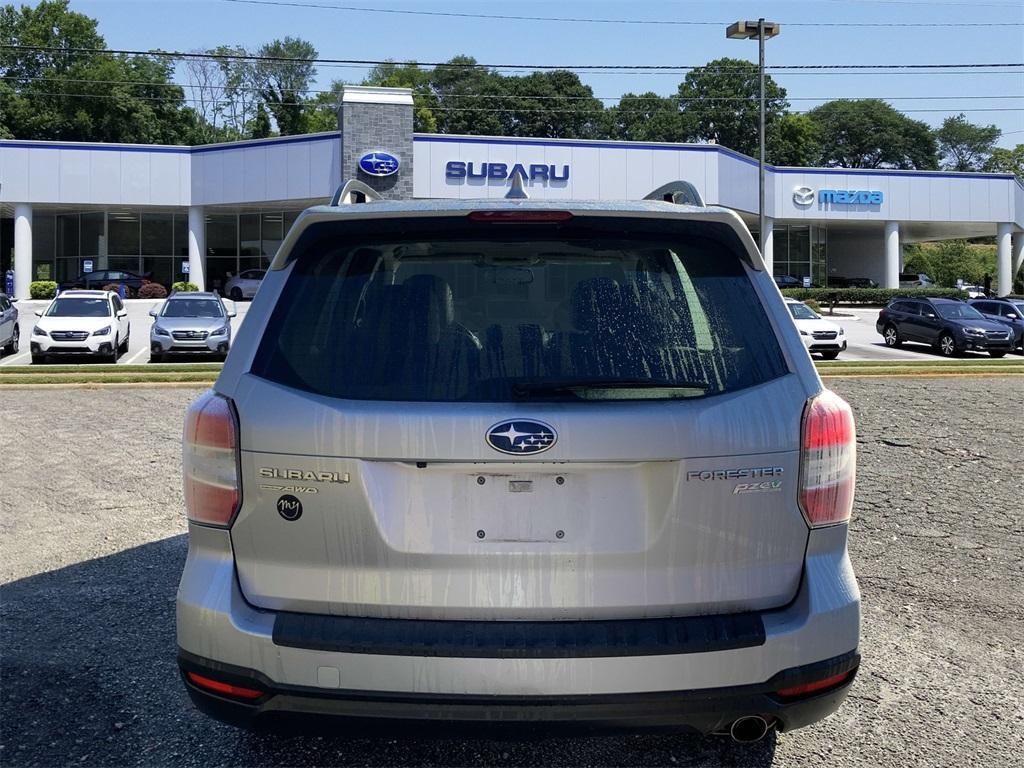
{"points": [[747, 730]]}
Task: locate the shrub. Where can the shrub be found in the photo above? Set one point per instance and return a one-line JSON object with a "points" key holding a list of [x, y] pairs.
{"points": [[152, 291], [813, 305], [112, 287], [184, 287], [42, 289], [877, 296]]}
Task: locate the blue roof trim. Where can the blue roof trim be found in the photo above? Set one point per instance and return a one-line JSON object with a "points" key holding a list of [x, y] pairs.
{"points": [[894, 173], [95, 147]]}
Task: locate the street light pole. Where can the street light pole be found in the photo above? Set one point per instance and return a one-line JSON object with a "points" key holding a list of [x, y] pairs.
{"points": [[762, 30]]}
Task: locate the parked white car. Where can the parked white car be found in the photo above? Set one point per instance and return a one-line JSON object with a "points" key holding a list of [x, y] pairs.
{"points": [[93, 323], [245, 284], [818, 335]]}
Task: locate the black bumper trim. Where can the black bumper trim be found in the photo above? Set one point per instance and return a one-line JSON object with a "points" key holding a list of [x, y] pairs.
{"points": [[519, 639], [706, 710]]}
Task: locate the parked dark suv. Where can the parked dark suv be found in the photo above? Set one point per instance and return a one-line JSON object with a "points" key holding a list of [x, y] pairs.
{"points": [[1007, 312], [99, 278], [950, 326]]}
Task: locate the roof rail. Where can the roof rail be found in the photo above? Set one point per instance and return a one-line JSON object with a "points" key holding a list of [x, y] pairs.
{"points": [[678, 192], [354, 191]]}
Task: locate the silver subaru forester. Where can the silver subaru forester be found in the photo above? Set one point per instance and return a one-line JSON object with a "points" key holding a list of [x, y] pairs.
{"points": [[507, 461]]}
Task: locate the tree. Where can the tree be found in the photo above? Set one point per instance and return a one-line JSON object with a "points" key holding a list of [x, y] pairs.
{"points": [[322, 110], [1007, 161], [719, 103], [553, 105], [950, 260], [239, 86], [647, 117], [469, 98], [793, 140], [869, 133], [391, 74], [83, 95], [965, 146], [283, 75]]}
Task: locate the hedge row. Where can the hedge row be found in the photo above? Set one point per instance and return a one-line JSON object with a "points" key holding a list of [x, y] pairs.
{"points": [[869, 295]]}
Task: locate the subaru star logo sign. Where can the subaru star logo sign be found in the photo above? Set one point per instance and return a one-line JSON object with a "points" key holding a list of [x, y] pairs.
{"points": [[521, 437], [803, 195], [379, 163]]}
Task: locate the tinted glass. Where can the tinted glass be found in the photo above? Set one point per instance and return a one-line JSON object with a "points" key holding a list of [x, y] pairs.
{"points": [[1019, 309], [801, 312], [79, 307], [192, 308], [958, 312], [458, 311]]}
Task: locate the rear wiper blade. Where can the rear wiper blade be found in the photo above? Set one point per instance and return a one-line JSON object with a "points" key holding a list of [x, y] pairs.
{"points": [[527, 388]]}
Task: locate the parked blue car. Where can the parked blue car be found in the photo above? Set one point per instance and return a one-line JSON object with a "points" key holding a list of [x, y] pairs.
{"points": [[1006, 311]]}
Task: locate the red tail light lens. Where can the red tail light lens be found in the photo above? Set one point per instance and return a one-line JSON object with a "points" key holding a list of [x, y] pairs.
{"points": [[817, 685], [213, 492], [828, 460], [225, 688], [520, 216]]}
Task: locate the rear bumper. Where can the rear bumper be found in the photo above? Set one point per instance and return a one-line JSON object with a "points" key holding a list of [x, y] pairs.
{"points": [[705, 711], [684, 683]]}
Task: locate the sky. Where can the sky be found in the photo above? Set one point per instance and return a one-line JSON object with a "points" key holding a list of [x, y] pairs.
{"points": [[359, 34]]}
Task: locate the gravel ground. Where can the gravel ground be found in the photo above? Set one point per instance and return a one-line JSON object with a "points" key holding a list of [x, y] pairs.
{"points": [[90, 558]]}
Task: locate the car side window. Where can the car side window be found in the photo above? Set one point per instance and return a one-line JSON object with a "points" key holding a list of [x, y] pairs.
{"points": [[118, 306], [986, 308], [4, 305]]}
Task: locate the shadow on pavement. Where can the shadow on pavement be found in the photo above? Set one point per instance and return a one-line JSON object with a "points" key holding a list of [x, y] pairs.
{"points": [[88, 677]]}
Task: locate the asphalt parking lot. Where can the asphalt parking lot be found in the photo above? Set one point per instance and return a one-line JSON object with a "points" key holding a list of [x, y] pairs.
{"points": [[92, 546]]}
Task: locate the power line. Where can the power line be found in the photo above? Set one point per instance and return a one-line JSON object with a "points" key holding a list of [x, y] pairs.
{"points": [[585, 20], [180, 55]]}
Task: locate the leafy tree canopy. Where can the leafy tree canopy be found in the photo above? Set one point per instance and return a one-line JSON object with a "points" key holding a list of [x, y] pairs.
{"points": [[869, 133], [1007, 161], [965, 146], [647, 117]]}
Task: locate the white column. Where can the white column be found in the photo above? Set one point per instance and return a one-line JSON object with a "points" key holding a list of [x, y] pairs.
{"points": [[22, 249], [1017, 257], [892, 255], [769, 244], [197, 246], [1003, 260]]}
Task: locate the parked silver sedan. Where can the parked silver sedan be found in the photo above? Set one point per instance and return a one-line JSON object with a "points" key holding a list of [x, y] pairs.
{"points": [[190, 323]]}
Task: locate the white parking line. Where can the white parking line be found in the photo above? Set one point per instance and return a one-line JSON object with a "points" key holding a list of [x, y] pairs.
{"points": [[136, 356]]}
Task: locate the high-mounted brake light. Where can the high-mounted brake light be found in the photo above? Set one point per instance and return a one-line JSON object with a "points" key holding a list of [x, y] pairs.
{"points": [[217, 686], [828, 460], [210, 461], [502, 217], [818, 685]]}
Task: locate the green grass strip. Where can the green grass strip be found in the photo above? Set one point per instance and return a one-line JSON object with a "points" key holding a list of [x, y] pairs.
{"points": [[112, 378], [136, 369]]}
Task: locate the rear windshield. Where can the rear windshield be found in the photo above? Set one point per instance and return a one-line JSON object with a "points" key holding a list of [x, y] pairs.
{"points": [[193, 308], [483, 312], [70, 307]]}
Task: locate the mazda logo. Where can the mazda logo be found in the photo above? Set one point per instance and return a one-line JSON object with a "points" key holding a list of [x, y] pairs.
{"points": [[521, 437], [803, 195]]}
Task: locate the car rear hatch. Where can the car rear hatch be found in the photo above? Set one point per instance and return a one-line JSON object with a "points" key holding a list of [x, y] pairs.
{"points": [[567, 418]]}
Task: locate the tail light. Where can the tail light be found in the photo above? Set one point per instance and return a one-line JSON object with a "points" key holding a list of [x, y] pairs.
{"points": [[512, 217], [213, 490], [828, 460], [216, 686]]}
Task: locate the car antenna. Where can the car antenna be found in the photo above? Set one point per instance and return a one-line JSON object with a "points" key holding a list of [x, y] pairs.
{"points": [[516, 191]]}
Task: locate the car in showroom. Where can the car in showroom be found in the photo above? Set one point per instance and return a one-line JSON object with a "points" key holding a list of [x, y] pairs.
{"points": [[245, 284], [81, 323], [10, 328], [950, 326], [190, 323], [818, 335], [100, 278], [508, 462], [1008, 312]]}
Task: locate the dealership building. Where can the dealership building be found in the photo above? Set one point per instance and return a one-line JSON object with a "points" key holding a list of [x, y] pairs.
{"points": [[204, 213]]}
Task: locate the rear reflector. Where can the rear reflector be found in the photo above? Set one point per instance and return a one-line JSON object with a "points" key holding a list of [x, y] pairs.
{"points": [[210, 461], [817, 685], [501, 217], [828, 460], [225, 688]]}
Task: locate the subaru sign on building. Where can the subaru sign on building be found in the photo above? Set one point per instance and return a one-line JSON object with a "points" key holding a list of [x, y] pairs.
{"points": [[225, 208]]}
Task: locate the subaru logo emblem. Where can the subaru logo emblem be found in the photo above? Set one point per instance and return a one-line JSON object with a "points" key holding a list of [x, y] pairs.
{"points": [[520, 437], [803, 195], [379, 163]]}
